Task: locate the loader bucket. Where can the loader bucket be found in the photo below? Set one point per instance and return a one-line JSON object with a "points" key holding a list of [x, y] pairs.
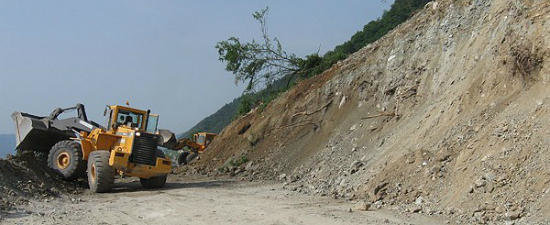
{"points": [[34, 133], [168, 139]]}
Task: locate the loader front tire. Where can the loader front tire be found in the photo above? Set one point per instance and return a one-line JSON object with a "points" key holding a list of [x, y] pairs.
{"points": [[101, 176], [153, 182], [66, 158]]}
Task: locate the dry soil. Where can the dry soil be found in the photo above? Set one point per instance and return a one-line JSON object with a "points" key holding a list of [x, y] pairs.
{"points": [[203, 201]]}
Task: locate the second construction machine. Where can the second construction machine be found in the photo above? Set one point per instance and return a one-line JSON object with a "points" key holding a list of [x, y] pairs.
{"points": [[127, 145], [194, 145]]}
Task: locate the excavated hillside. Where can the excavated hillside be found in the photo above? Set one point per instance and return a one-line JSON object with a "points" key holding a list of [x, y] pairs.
{"points": [[447, 114]]}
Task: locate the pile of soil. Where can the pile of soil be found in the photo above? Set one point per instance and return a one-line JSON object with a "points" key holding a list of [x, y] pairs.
{"points": [[447, 114], [26, 176]]}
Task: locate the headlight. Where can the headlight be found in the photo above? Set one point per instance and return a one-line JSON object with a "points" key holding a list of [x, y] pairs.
{"points": [[138, 134]]}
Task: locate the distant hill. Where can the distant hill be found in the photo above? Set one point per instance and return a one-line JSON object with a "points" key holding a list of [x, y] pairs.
{"points": [[221, 118], [7, 144], [217, 121]]}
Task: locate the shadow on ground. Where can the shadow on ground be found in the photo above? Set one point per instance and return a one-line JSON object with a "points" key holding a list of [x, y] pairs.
{"points": [[135, 186]]}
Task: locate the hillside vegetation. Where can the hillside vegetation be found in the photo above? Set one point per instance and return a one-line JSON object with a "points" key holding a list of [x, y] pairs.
{"points": [[217, 121], [314, 64]]}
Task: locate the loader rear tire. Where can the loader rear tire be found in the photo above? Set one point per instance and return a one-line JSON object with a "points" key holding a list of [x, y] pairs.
{"points": [[66, 158], [101, 176], [153, 182]]}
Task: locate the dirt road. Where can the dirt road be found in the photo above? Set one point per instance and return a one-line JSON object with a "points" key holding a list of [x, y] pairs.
{"points": [[204, 202]]}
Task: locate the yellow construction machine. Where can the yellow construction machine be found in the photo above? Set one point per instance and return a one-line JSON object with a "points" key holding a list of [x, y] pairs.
{"points": [[197, 144], [127, 145], [192, 146]]}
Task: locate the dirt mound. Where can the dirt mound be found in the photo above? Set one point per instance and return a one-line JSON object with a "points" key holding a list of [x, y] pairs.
{"points": [[448, 114], [27, 177]]}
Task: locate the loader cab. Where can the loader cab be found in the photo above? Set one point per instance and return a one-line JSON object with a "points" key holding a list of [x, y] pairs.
{"points": [[130, 118], [203, 138]]}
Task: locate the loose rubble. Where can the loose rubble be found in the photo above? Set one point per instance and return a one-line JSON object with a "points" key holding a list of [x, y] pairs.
{"points": [[25, 177]]}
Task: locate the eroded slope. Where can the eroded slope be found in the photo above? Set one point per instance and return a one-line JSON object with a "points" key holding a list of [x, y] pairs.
{"points": [[449, 113]]}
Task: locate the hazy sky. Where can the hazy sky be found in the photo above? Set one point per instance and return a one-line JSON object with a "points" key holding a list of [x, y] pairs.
{"points": [[155, 54]]}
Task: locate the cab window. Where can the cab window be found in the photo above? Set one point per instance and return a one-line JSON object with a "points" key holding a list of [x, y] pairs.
{"points": [[152, 123], [129, 118], [201, 140]]}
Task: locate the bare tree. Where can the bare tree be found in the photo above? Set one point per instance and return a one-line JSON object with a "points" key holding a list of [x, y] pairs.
{"points": [[257, 63]]}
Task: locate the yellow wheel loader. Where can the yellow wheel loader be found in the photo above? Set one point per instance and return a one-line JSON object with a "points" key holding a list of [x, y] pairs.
{"points": [[127, 145]]}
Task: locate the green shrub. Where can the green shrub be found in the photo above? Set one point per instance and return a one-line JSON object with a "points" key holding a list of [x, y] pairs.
{"points": [[239, 161], [246, 104]]}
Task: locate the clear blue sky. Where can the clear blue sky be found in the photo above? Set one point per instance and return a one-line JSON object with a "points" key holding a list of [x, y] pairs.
{"points": [[155, 54]]}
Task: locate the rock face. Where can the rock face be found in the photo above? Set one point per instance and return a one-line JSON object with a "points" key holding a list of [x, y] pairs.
{"points": [[452, 107]]}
